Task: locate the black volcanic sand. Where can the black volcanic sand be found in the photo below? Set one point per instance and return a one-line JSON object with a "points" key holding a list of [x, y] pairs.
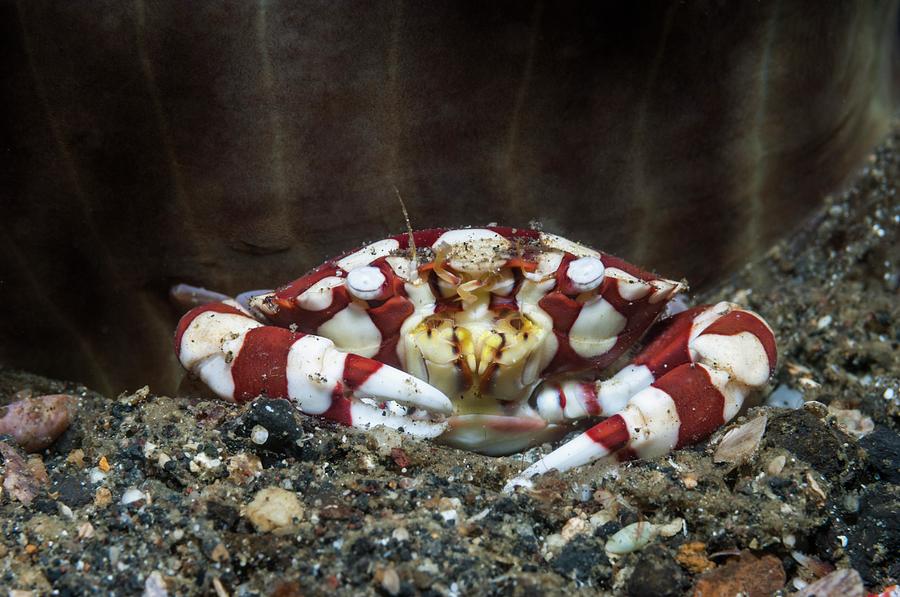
{"points": [[387, 514]]}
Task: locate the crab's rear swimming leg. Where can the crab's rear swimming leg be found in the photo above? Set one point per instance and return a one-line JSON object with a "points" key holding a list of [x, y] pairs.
{"points": [[689, 381]]}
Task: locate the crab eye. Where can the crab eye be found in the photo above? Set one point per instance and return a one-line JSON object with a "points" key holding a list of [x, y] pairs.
{"points": [[585, 273], [365, 282]]}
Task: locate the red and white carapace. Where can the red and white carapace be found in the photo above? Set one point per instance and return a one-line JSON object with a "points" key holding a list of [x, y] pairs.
{"points": [[490, 339]]}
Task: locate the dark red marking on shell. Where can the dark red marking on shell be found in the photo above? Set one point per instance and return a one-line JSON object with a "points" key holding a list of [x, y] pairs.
{"points": [[700, 404], [639, 315], [563, 283], [626, 455], [564, 311], [260, 366], [668, 346], [188, 318], [339, 411], [388, 318], [358, 369], [294, 289], [612, 433], [562, 396], [504, 303], [618, 263], [310, 321], [736, 322]]}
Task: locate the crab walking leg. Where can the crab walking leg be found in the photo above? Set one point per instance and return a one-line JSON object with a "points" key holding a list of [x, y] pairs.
{"points": [[731, 352], [682, 407], [721, 335], [240, 358]]}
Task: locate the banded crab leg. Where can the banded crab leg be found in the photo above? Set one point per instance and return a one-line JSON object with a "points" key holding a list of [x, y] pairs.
{"points": [[689, 381], [240, 358]]}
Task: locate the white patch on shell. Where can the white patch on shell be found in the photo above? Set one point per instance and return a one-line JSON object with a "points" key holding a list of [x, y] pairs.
{"points": [[665, 289], [401, 266], [653, 422], [352, 330], [368, 254], [318, 297], [596, 328], [474, 250], [743, 355], [563, 244], [313, 368], [630, 287], [547, 264]]}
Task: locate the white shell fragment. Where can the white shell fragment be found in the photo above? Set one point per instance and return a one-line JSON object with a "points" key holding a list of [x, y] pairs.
{"points": [[365, 282], [638, 535], [741, 442], [844, 583], [131, 495], [586, 273]]}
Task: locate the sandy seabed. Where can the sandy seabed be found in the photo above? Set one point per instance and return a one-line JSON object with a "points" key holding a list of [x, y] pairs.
{"points": [[152, 494]]}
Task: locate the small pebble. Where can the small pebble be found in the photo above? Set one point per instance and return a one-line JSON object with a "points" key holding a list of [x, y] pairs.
{"points": [[155, 585], [259, 435], [785, 397], [274, 510], [131, 495], [390, 581]]}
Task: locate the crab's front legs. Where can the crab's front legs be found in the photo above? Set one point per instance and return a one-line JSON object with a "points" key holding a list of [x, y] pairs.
{"points": [[690, 380], [240, 358]]}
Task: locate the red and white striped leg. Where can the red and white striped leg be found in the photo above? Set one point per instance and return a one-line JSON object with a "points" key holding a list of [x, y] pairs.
{"points": [[695, 376], [240, 358], [722, 333]]}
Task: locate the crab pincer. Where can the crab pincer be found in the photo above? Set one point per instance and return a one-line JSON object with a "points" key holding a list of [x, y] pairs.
{"points": [[240, 358]]}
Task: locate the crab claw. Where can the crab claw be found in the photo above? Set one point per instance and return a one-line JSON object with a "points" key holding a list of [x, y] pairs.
{"points": [[240, 358]]}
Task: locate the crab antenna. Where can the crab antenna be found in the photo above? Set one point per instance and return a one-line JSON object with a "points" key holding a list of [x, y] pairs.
{"points": [[414, 272]]}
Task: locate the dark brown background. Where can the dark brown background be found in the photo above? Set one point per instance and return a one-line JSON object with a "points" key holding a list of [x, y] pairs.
{"points": [[235, 144]]}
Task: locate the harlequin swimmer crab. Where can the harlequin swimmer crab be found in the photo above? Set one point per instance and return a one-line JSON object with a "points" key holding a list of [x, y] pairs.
{"points": [[489, 339]]}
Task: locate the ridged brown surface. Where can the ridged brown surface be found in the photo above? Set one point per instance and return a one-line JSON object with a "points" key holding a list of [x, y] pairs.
{"points": [[236, 145]]}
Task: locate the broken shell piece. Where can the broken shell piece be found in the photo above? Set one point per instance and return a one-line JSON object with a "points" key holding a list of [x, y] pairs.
{"points": [[852, 421], [776, 465], [740, 443], [844, 583], [638, 535]]}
